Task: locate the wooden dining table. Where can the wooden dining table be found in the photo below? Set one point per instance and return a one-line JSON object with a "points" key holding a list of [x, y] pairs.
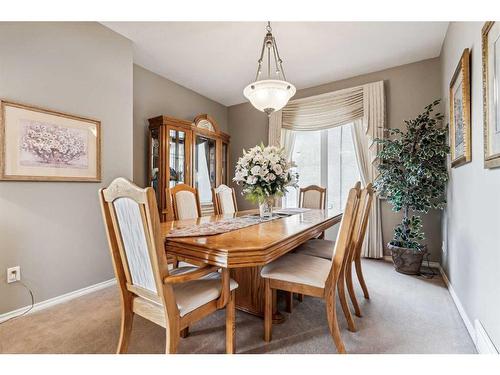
{"points": [[245, 251]]}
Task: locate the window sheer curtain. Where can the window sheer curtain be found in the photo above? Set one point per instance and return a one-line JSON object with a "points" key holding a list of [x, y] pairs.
{"points": [[364, 106]]}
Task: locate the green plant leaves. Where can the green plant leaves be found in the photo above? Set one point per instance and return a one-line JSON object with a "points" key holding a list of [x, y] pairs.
{"points": [[412, 171]]}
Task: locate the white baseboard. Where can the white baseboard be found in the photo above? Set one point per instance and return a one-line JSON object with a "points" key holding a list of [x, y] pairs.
{"points": [[57, 300], [484, 344], [477, 333]]}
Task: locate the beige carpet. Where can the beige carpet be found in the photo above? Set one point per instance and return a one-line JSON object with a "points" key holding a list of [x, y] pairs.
{"points": [[404, 315]]}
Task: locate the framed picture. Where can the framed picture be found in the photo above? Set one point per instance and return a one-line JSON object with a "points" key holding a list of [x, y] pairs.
{"points": [[42, 145], [491, 93], [460, 127]]}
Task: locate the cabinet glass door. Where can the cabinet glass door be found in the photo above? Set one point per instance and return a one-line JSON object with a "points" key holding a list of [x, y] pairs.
{"points": [[155, 161], [225, 175], [205, 167], [177, 157]]}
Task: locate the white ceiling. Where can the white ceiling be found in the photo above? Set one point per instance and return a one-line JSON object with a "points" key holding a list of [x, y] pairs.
{"points": [[218, 59]]}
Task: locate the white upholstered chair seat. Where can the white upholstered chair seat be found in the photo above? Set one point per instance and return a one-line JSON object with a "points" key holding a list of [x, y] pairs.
{"points": [[298, 268], [317, 248], [193, 294]]}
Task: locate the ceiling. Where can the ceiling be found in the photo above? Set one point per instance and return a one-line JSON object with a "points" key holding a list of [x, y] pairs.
{"points": [[218, 59]]}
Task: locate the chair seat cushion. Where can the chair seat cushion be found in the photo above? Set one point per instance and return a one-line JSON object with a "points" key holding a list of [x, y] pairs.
{"points": [[298, 268], [193, 294], [317, 248]]}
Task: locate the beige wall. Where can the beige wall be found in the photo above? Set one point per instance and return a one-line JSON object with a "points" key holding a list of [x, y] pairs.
{"points": [[409, 88], [54, 230], [154, 96], [471, 223]]}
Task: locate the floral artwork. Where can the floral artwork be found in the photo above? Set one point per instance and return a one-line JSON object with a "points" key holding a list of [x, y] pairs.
{"points": [[44, 145], [460, 125], [48, 145], [264, 172], [459, 121]]}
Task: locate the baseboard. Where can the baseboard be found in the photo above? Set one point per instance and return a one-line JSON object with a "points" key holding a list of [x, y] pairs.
{"points": [[484, 344], [477, 333], [57, 300]]}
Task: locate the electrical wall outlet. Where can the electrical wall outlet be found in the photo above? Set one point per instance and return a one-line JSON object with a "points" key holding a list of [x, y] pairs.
{"points": [[13, 274]]}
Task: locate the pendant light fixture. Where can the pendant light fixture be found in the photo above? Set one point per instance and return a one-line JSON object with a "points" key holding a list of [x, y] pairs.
{"points": [[273, 92]]}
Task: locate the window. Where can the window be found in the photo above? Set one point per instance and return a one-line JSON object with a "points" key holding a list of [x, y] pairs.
{"points": [[325, 158]]}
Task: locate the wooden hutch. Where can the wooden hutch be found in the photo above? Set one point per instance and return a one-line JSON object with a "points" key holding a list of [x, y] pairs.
{"points": [[183, 152]]}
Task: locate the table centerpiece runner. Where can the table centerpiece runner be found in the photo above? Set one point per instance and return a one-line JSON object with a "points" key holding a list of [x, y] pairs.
{"points": [[227, 225]]}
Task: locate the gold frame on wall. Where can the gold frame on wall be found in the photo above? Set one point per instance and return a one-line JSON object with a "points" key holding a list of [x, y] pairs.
{"points": [[490, 160], [462, 70], [94, 165]]}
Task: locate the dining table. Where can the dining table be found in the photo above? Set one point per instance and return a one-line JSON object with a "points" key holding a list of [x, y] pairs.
{"points": [[246, 250]]}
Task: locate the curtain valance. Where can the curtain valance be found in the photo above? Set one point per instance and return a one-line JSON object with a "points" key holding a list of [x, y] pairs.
{"points": [[324, 111], [365, 102]]}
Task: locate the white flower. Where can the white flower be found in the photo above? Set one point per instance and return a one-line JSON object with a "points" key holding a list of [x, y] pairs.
{"points": [[271, 177], [251, 180], [255, 170], [277, 169]]}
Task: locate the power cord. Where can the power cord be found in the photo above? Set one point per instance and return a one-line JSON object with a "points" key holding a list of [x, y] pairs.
{"points": [[29, 309], [428, 275]]}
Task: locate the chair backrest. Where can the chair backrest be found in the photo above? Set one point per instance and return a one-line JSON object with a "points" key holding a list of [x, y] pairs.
{"points": [[224, 200], [312, 196], [344, 236], [133, 230], [185, 202], [365, 206]]}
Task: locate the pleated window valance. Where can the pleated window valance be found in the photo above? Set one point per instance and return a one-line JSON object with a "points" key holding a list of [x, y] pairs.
{"points": [[365, 103], [324, 111]]}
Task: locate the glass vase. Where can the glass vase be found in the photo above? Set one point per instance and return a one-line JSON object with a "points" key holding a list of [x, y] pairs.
{"points": [[266, 208]]}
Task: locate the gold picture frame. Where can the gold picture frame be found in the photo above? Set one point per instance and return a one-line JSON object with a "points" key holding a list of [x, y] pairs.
{"points": [[490, 37], [460, 125], [38, 144]]}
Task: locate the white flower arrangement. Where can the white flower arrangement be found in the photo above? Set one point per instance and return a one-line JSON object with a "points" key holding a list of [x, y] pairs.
{"points": [[52, 144], [264, 172]]}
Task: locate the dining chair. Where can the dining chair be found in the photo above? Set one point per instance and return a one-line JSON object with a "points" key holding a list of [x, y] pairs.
{"points": [[312, 276], [173, 299], [312, 196], [325, 248], [224, 199], [185, 202]]}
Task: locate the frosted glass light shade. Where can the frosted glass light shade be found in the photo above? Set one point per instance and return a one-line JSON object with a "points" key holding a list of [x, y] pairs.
{"points": [[269, 95]]}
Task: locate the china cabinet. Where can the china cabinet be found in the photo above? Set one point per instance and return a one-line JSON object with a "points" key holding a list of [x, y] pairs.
{"points": [[186, 152]]}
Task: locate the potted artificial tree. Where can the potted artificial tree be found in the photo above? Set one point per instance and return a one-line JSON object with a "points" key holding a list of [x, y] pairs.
{"points": [[413, 176]]}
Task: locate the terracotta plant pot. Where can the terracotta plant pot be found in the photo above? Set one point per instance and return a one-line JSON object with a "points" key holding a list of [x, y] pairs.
{"points": [[407, 261]]}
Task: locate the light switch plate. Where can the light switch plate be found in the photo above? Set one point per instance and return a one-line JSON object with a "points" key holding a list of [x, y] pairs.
{"points": [[13, 274]]}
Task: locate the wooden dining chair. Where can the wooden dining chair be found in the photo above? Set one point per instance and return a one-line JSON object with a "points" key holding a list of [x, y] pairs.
{"points": [[185, 202], [325, 248], [312, 196], [172, 299], [316, 277], [224, 199]]}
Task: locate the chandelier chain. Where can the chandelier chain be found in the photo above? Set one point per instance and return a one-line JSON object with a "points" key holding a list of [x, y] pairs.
{"points": [[270, 43]]}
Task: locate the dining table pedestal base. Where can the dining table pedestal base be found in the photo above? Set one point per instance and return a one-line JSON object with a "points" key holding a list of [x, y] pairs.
{"points": [[250, 293]]}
